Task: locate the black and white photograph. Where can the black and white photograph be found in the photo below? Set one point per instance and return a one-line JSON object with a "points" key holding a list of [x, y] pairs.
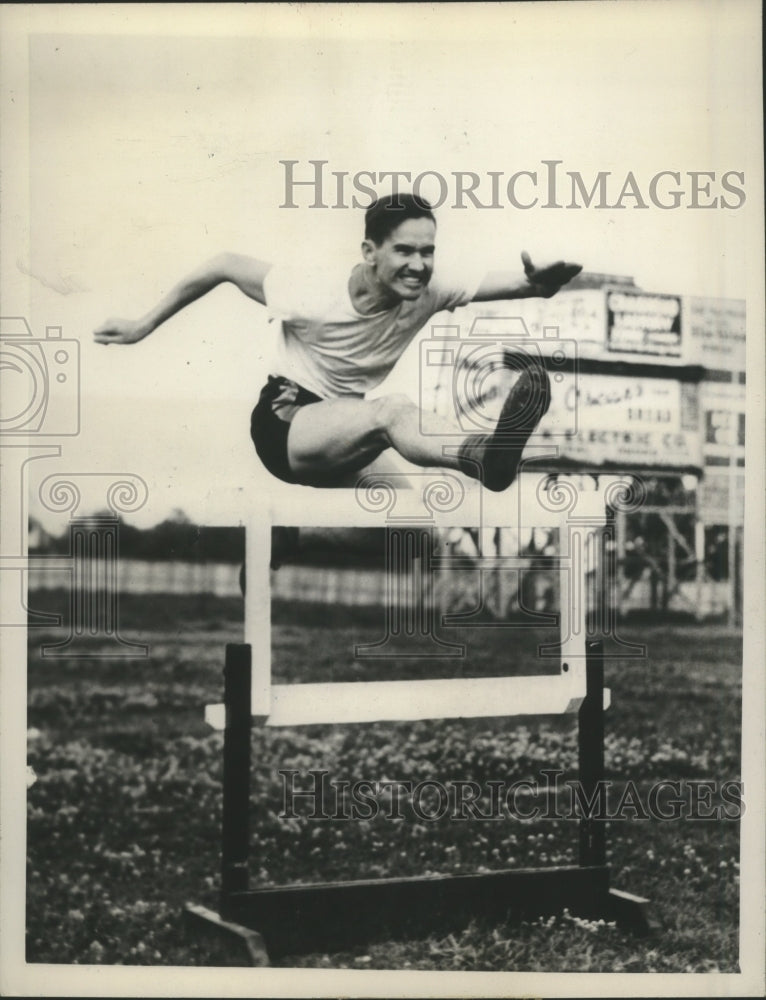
{"points": [[382, 540]]}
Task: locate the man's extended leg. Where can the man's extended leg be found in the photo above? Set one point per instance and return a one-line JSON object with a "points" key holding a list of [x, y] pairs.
{"points": [[334, 437]]}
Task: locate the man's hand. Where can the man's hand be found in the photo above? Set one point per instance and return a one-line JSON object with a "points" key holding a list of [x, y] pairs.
{"points": [[120, 331], [546, 281], [542, 282]]}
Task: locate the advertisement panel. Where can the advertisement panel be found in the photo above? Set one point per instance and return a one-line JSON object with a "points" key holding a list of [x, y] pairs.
{"points": [[610, 322], [722, 407], [580, 314], [716, 505], [715, 333], [643, 323], [625, 421]]}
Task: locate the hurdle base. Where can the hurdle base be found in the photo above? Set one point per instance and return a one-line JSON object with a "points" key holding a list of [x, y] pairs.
{"points": [[632, 913], [332, 917], [249, 943]]}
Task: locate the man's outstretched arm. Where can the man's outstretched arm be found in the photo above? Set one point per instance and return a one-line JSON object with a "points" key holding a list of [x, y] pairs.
{"points": [[534, 282], [246, 273]]}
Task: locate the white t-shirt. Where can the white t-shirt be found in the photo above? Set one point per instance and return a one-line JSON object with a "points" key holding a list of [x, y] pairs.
{"points": [[330, 348]]}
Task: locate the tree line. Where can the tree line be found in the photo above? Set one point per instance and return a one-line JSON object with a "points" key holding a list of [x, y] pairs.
{"points": [[174, 539]]}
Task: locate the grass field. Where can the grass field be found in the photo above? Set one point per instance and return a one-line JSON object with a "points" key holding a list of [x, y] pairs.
{"points": [[124, 814]]}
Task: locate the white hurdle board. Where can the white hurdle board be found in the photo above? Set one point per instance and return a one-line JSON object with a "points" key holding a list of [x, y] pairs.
{"points": [[443, 499]]}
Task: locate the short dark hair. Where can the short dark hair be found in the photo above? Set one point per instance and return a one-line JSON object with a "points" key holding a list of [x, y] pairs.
{"points": [[386, 213]]}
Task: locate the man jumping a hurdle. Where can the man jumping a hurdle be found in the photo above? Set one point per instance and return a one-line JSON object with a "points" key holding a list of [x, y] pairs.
{"points": [[341, 336]]}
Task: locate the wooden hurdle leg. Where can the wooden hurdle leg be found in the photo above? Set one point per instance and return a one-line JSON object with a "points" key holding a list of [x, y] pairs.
{"points": [[631, 912], [235, 824], [590, 745]]}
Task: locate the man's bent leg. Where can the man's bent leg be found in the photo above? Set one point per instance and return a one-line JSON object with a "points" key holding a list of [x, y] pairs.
{"points": [[334, 437], [328, 440]]}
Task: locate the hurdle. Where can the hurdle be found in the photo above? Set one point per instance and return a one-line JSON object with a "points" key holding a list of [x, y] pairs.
{"points": [[332, 916]]}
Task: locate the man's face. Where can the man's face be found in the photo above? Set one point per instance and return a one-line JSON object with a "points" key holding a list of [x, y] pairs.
{"points": [[404, 261]]}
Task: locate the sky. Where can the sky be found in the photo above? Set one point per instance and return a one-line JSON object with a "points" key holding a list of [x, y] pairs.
{"points": [[152, 147]]}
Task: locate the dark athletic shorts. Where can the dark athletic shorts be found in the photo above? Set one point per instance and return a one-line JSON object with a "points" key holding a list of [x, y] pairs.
{"points": [[279, 401]]}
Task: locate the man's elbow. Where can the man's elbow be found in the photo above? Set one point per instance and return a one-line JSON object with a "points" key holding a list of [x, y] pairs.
{"points": [[221, 267]]}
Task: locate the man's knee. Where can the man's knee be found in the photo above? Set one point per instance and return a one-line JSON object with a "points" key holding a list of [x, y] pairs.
{"points": [[391, 409]]}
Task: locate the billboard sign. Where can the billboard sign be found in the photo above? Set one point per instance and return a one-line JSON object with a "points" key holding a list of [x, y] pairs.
{"points": [[716, 504], [580, 313], [715, 333], [625, 421], [723, 422], [643, 323]]}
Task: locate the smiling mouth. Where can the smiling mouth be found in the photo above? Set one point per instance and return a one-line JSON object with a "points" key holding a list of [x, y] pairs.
{"points": [[412, 280]]}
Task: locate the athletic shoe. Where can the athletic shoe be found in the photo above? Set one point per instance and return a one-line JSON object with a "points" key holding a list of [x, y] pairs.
{"points": [[494, 458]]}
